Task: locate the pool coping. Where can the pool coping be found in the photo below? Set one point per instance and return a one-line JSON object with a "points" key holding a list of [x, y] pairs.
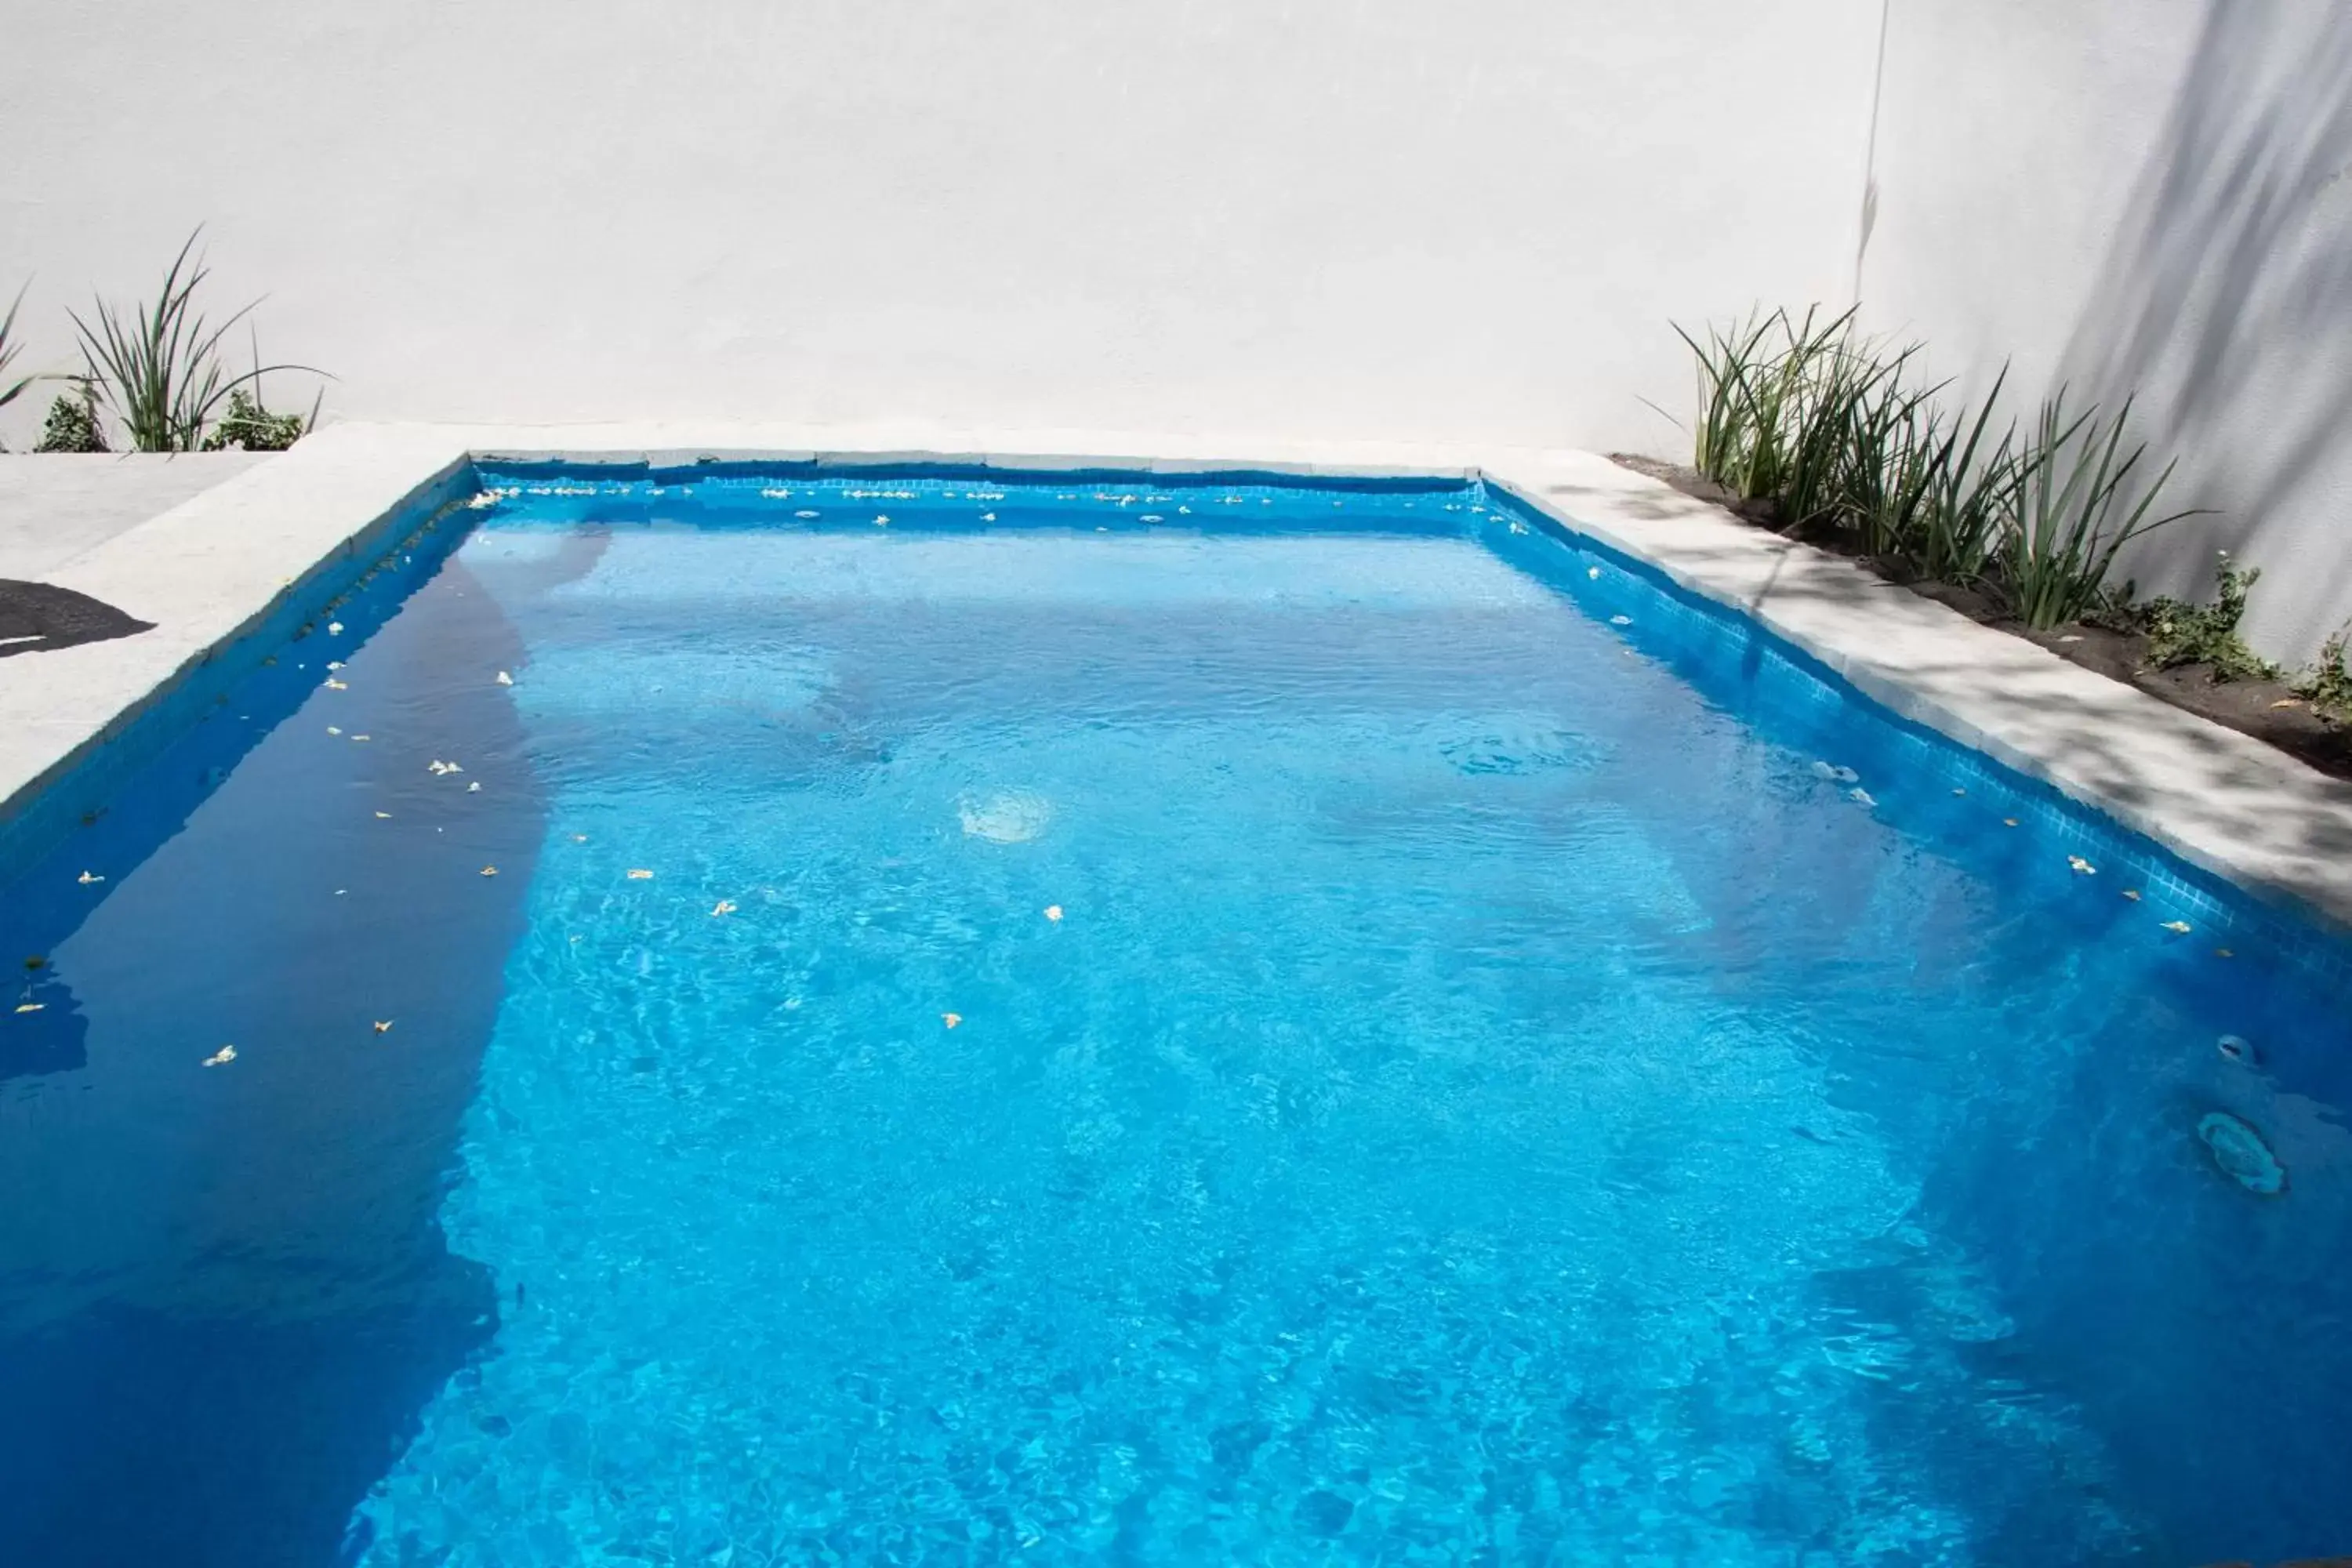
{"points": [[277, 544]]}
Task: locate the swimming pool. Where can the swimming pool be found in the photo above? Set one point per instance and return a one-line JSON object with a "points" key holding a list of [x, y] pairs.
{"points": [[783, 1014]]}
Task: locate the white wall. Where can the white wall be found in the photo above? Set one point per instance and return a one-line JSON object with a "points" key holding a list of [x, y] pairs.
{"points": [[2150, 194], [1308, 218]]}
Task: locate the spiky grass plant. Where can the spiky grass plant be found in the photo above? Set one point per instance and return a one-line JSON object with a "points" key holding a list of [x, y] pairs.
{"points": [[2067, 517], [1895, 441], [1724, 439], [1855, 415], [9, 348], [1765, 387], [1955, 529], [159, 369], [1831, 427]]}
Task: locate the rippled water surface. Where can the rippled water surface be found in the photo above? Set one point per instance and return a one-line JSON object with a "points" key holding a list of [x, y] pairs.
{"points": [[1322, 1027]]}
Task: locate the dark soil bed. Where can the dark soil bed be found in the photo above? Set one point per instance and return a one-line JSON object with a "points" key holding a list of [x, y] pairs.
{"points": [[2266, 710]]}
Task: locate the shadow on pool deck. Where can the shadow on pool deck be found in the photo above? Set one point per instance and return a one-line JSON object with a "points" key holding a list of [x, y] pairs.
{"points": [[36, 617]]}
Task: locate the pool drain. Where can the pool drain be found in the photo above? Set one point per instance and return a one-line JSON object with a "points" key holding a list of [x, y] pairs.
{"points": [[2242, 1154]]}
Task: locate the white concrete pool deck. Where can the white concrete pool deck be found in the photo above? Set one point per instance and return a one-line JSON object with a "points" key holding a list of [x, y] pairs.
{"points": [[212, 565], [55, 506]]}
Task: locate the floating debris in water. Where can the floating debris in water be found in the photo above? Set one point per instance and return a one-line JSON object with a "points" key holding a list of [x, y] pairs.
{"points": [[363, 737], [334, 629], [474, 788], [805, 513], [988, 517], [1835, 773], [2132, 893], [88, 878], [2081, 866], [505, 679], [334, 685], [438, 767], [2238, 1048], [2223, 952], [2242, 1154], [1860, 797], [723, 907], [221, 1057], [1593, 572], [1053, 911], [384, 1025], [382, 815], [1620, 620], [2180, 928], [951, 1019], [881, 519], [1518, 527], [489, 870], [1959, 792], [31, 1006], [1155, 517], [333, 729], [639, 874], [334, 664], [579, 838], [2008, 822]]}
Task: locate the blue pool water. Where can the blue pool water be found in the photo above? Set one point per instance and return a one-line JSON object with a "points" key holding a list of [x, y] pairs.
{"points": [[1089, 1023]]}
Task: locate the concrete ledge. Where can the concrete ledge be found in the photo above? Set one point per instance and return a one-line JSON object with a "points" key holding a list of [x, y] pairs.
{"points": [[208, 573], [210, 569], [2221, 801], [55, 505]]}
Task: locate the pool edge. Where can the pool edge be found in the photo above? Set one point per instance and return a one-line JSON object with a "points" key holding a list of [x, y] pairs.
{"points": [[227, 577], [2273, 828], [2223, 804]]}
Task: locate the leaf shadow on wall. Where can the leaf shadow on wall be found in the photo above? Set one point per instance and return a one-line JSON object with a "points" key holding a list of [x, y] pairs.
{"points": [[2225, 300]]}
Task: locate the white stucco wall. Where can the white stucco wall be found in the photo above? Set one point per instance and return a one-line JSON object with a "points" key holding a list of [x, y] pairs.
{"points": [[1305, 217], [2150, 194], [1253, 218]]}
